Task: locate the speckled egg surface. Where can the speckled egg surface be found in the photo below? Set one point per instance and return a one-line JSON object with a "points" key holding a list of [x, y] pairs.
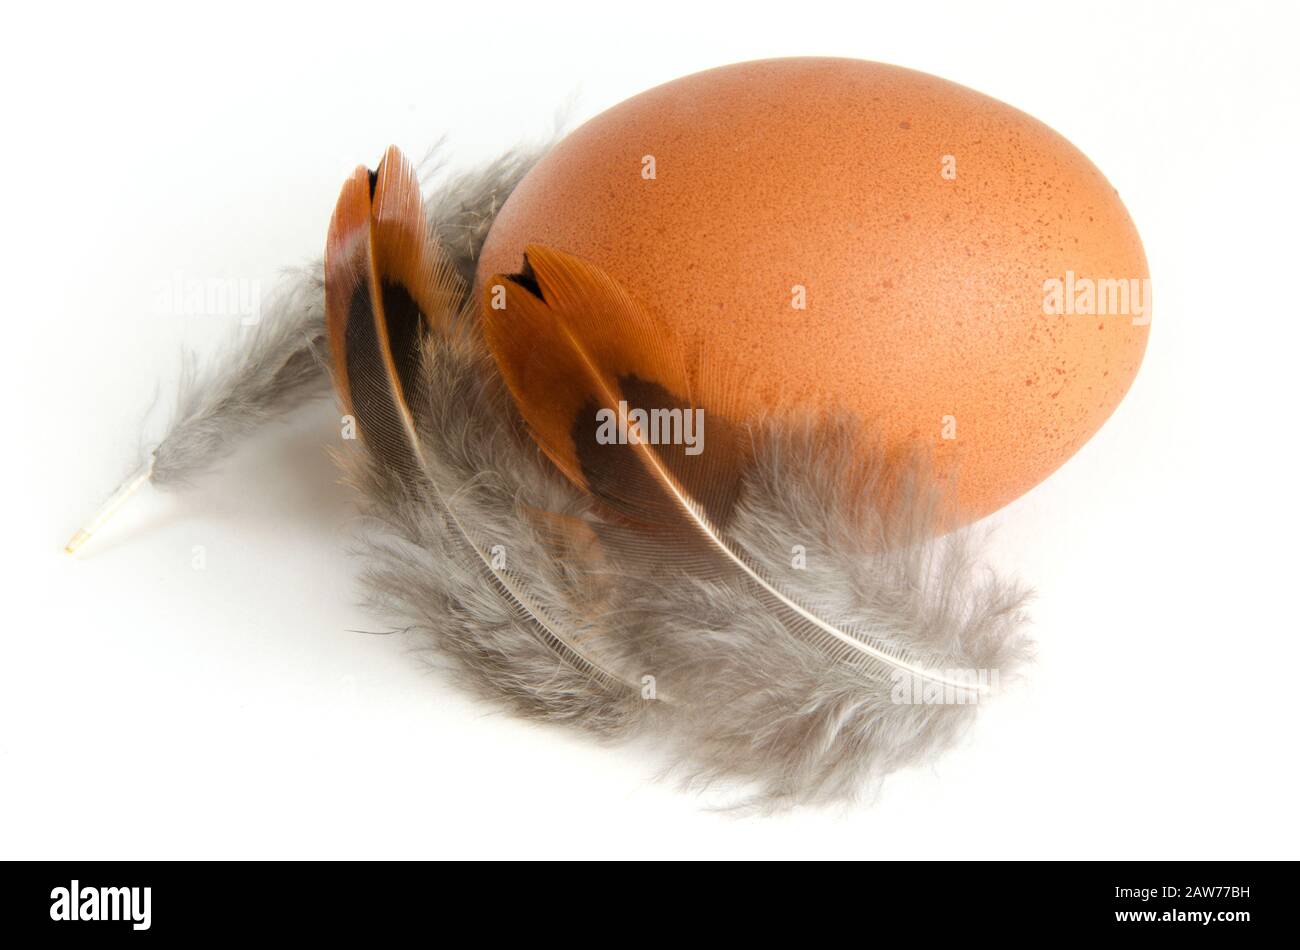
{"points": [[846, 234]]}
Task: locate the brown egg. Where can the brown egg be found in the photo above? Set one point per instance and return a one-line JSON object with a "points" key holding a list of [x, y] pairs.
{"points": [[859, 236]]}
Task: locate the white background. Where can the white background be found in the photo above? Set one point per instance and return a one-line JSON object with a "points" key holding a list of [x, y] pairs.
{"points": [[151, 710]]}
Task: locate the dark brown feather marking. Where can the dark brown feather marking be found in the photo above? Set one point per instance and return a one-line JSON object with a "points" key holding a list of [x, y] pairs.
{"points": [[373, 401], [407, 328]]}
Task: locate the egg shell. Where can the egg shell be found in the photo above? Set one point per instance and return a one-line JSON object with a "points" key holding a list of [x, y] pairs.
{"points": [[923, 222]]}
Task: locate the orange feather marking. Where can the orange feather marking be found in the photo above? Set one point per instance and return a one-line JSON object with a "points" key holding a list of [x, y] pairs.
{"points": [[348, 270]]}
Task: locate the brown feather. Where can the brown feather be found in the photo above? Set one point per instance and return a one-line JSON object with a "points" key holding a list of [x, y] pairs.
{"points": [[573, 344], [386, 282], [348, 270]]}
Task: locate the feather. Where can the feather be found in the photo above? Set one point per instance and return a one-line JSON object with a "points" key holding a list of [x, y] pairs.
{"points": [[578, 354], [392, 299], [278, 364], [273, 370], [785, 678]]}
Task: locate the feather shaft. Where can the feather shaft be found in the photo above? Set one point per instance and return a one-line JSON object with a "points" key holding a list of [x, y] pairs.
{"points": [[121, 495]]}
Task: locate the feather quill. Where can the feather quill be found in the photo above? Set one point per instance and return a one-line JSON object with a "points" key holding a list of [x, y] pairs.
{"points": [[272, 371]]}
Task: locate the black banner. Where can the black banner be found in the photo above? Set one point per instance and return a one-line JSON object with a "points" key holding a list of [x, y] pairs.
{"points": [[921, 902]]}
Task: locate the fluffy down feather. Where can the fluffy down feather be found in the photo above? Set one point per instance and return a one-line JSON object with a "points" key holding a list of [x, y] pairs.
{"points": [[278, 364], [775, 710]]}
